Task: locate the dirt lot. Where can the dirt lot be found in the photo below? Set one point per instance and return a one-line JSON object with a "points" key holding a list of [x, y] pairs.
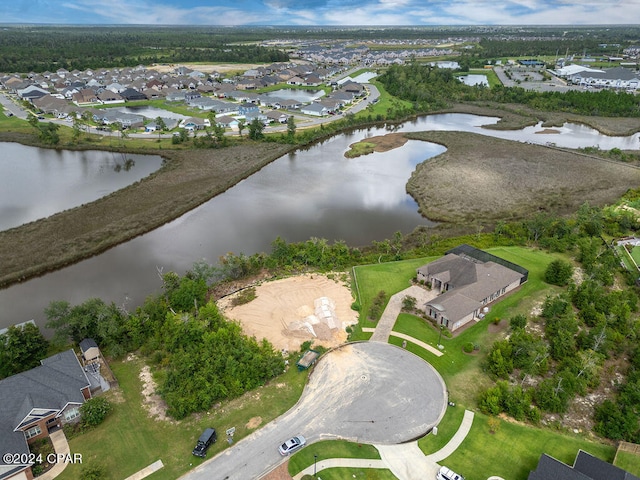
{"points": [[205, 67], [480, 180], [282, 305]]}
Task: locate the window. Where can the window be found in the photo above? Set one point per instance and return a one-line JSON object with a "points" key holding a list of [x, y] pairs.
{"points": [[33, 432], [71, 414]]}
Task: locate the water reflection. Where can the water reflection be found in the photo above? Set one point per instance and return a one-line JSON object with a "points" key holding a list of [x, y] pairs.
{"points": [[312, 192], [37, 183]]}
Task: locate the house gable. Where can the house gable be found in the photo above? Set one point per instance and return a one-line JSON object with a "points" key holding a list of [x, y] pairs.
{"points": [[39, 397]]}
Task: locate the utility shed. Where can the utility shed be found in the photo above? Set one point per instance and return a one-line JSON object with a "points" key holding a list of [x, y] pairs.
{"points": [[89, 349], [307, 359]]}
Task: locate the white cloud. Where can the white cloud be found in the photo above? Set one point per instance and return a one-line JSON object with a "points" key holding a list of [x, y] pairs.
{"points": [[150, 13]]}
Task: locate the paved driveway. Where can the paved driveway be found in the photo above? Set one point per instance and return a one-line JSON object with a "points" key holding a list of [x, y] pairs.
{"points": [[368, 392]]}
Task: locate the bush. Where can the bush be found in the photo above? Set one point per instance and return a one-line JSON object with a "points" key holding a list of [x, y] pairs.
{"points": [[558, 273], [409, 303], [518, 322], [93, 471], [94, 411], [468, 347], [377, 307], [244, 296]]}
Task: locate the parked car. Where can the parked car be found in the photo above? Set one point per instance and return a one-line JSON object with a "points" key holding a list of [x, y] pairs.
{"points": [[292, 445], [206, 439], [447, 474]]}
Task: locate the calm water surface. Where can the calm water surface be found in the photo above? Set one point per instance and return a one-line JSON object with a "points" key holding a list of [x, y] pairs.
{"points": [[313, 192], [37, 182]]}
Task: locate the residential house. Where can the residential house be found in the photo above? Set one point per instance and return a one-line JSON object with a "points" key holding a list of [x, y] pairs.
{"points": [[291, 104], [585, 467], [36, 402], [315, 109], [131, 95], [195, 123], [468, 280], [32, 92], [86, 96], [109, 97], [49, 104], [256, 115], [247, 109], [227, 122], [275, 116], [295, 81]]}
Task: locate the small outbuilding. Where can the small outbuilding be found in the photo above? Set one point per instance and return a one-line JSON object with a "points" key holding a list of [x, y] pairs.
{"points": [[89, 350]]}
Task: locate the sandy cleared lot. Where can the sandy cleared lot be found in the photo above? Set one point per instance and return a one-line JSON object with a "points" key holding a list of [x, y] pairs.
{"points": [[284, 310]]}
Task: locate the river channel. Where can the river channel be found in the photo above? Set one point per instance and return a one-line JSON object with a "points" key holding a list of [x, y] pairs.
{"points": [[314, 192]]}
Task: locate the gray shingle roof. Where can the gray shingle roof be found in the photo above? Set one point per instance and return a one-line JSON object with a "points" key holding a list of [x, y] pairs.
{"points": [[57, 382]]}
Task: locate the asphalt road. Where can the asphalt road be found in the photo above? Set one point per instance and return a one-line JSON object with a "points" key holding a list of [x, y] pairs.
{"points": [[367, 392]]}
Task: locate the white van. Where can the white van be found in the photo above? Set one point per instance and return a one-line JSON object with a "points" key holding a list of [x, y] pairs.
{"points": [[446, 474]]}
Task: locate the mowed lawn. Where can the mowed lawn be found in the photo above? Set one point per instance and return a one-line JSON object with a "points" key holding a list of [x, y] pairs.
{"points": [[513, 450], [130, 439]]}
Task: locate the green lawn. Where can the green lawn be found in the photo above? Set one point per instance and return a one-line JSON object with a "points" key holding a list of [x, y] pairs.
{"points": [[628, 461], [330, 449], [513, 450], [635, 254], [356, 473], [447, 428], [391, 277], [626, 257], [129, 439]]}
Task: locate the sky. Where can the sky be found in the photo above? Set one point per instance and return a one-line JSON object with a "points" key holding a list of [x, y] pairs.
{"points": [[322, 12]]}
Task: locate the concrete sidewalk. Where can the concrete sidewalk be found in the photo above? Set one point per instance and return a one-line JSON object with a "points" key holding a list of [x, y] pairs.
{"points": [[146, 471], [406, 461], [391, 312]]}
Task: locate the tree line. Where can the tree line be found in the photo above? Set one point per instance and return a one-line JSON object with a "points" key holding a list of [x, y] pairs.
{"points": [[430, 88], [39, 49], [548, 360]]}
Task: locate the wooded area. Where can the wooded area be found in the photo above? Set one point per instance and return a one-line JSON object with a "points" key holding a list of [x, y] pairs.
{"points": [[39, 49]]}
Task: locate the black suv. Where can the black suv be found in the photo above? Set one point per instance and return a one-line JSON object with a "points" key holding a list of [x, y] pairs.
{"points": [[207, 438]]}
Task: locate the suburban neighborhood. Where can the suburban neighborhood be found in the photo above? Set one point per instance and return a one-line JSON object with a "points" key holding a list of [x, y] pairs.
{"points": [[468, 345]]}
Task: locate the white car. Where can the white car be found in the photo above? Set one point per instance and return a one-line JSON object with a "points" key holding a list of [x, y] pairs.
{"points": [[446, 474], [292, 445]]}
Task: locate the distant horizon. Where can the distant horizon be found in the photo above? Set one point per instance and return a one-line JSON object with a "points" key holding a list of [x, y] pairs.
{"points": [[321, 13], [337, 27]]}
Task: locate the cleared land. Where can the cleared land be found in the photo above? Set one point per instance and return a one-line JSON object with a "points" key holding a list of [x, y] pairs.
{"points": [[280, 309], [188, 179], [481, 180]]}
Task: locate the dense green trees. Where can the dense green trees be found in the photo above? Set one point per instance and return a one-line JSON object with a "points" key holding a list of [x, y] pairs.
{"points": [[431, 88], [21, 348], [37, 49], [558, 272]]}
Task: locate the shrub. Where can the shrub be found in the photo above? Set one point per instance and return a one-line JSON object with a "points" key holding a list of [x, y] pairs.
{"points": [[558, 273], [244, 296], [94, 411], [409, 303], [377, 307], [468, 347], [93, 471], [518, 322]]}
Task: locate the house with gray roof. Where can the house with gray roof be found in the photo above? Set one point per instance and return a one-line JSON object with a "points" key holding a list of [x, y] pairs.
{"points": [[468, 280], [585, 467], [37, 402]]}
